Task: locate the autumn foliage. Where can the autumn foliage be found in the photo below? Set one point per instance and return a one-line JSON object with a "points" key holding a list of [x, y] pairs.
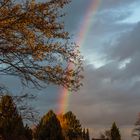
{"points": [[35, 46]]}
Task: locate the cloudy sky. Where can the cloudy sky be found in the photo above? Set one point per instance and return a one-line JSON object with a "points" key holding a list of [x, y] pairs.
{"points": [[111, 48]]}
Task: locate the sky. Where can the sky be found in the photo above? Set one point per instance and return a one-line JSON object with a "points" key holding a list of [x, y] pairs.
{"points": [[111, 50], [111, 90]]}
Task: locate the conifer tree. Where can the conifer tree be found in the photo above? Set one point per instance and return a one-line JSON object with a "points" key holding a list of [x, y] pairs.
{"points": [[49, 128], [28, 133], [115, 134], [11, 125], [136, 130], [71, 126], [83, 134], [87, 135]]}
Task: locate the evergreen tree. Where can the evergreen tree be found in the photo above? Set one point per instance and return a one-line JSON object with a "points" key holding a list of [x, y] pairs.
{"points": [[106, 135], [136, 130], [115, 134], [83, 134], [49, 128], [11, 125], [28, 133], [87, 135], [71, 126]]}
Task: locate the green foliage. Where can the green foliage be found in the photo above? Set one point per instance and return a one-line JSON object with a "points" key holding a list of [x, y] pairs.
{"points": [[49, 128], [11, 125], [115, 134]]}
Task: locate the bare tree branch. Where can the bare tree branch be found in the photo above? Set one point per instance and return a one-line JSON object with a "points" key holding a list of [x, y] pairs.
{"points": [[28, 113]]}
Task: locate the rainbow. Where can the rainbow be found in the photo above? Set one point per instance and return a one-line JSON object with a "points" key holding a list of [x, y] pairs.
{"points": [[82, 35]]}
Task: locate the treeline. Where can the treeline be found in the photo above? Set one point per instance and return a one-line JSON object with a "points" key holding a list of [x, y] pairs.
{"points": [[50, 127], [112, 134]]}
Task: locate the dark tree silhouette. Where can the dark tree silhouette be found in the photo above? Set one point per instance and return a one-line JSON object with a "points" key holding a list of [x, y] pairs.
{"points": [[87, 135], [49, 128], [136, 130], [27, 112], [11, 125], [71, 126], [114, 132], [84, 134]]}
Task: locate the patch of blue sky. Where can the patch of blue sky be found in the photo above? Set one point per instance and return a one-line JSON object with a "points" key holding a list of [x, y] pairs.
{"points": [[134, 17]]}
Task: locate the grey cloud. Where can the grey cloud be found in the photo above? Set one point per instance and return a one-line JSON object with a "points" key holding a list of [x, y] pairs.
{"points": [[112, 4], [127, 45], [105, 27], [118, 10], [102, 101]]}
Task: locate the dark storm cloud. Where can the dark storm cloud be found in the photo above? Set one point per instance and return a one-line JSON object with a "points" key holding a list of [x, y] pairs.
{"points": [[127, 48], [128, 44], [101, 101], [111, 92]]}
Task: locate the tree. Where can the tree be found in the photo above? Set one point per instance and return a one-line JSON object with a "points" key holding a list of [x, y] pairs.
{"points": [[71, 126], [35, 46], [114, 132], [87, 135], [84, 134], [27, 112], [49, 128], [136, 130], [11, 125], [28, 133]]}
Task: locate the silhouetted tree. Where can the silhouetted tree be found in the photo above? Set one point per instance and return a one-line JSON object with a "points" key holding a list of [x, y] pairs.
{"points": [[49, 128], [87, 135], [28, 133], [83, 134], [114, 132], [11, 125], [35, 46], [71, 126], [136, 130], [27, 112]]}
